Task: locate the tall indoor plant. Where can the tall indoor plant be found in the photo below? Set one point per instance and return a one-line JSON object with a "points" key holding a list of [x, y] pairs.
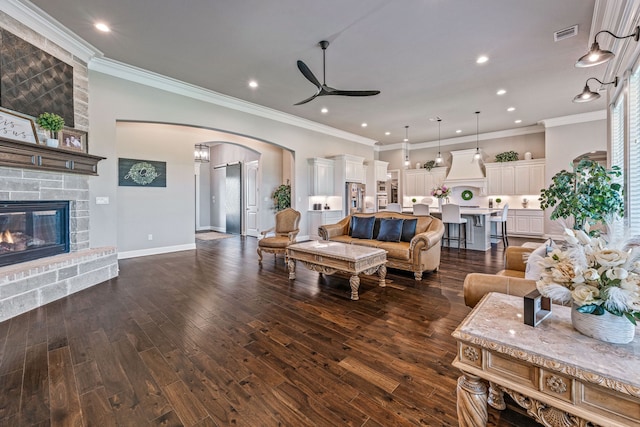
{"points": [[282, 197], [589, 194]]}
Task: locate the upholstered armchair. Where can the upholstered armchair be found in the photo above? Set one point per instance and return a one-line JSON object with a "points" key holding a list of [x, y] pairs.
{"points": [[276, 239]]}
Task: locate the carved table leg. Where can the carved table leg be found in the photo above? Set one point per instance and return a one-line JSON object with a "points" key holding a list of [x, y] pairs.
{"points": [[382, 274], [472, 401], [496, 397], [354, 281], [292, 268]]}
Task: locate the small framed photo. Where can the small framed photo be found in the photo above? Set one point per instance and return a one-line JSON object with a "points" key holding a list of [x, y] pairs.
{"points": [[536, 308], [72, 139], [17, 127]]}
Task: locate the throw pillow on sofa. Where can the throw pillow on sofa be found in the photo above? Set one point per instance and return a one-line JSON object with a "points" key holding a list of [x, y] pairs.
{"points": [[362, 227], [390, 230], [408, 230]]}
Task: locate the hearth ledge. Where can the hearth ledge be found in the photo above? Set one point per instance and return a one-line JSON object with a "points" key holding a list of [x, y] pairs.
{"points": [[29, 285]]}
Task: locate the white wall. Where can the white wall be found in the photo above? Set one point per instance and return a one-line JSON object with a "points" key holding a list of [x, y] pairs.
{"points": [[562, 145], [113, 99]]}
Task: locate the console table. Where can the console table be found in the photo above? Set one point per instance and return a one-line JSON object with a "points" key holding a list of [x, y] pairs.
{"points": [[561, 377]]}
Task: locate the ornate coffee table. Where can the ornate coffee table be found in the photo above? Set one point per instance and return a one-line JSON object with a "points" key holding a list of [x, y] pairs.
{"points": [[330, 257], [561, 377]]}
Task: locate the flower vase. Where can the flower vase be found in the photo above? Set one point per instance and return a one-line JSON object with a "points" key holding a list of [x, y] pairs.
{"points": [[440, 204], [606, 327]]}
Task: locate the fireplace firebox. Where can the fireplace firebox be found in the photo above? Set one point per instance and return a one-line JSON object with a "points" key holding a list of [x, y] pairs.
{"points": [[33, 229]]}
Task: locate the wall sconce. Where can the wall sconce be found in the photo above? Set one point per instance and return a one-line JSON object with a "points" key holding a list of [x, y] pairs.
{"points": [[597, 56], [201, 153], [588, 95]]}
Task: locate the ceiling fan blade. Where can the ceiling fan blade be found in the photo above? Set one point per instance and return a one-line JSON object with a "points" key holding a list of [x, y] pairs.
{"points": [[354, 92], [308, 74], [311, 98]]}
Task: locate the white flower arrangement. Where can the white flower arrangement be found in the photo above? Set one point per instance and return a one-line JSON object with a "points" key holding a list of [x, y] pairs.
{"points": [[593, 276], [441, 192]]}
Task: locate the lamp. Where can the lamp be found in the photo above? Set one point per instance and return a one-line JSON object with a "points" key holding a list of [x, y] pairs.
{"points": [[406, 153], [597, 56], [588, 95], [201, 153], [439, 157], [477, 155]]}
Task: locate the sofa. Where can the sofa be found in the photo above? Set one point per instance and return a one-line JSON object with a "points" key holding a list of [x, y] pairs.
{"points": [[417, 250], [509, 281]]}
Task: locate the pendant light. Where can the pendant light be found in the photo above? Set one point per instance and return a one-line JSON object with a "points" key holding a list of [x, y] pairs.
{"points": [[439, 157], [201, 153], [477, 155], [406, 140]]}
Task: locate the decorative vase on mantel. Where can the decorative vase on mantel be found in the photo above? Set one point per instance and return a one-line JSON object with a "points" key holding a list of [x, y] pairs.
{"points": [[606, 327]]}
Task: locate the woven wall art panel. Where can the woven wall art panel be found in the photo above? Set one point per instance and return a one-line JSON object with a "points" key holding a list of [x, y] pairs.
{"points": [[32, 81]]}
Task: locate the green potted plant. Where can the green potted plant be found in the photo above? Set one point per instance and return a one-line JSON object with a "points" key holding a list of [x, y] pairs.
{"points": [[498, 201], [282, 197], [589, 194], [507, 156], [53, 123]]}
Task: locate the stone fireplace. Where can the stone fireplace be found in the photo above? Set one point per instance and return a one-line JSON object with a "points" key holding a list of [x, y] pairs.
{"points": [[33, 283], [33, 229]]}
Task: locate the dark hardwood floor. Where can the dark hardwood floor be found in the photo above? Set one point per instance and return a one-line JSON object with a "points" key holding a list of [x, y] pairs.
{"points": [[208, 338]]}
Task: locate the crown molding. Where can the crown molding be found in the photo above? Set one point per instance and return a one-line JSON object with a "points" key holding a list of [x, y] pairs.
{"points": [[33, 17], [574, 119], [528, 130], [158, 81]]}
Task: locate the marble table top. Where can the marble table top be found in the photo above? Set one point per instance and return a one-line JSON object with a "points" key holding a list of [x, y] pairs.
{"points": [[337, 249], [497, 324]]}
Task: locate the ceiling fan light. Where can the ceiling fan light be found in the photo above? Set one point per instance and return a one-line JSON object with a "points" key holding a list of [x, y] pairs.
{"points": [[595, 56]]}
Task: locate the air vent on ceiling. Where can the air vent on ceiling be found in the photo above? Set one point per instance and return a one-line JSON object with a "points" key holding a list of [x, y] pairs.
{"points": [[565, 34]]}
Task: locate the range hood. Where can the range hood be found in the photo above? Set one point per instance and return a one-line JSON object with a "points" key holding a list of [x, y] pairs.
{"points": [[466, 171]]}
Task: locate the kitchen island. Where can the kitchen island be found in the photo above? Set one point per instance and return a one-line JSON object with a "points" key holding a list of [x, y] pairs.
{"points": [[478, 227]]}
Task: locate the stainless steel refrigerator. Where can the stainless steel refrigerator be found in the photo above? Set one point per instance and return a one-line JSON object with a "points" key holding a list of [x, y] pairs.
{"points": [[354, 198]]}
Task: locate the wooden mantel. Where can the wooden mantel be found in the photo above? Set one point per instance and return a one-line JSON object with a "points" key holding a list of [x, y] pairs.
{"points": [[40, 157]]}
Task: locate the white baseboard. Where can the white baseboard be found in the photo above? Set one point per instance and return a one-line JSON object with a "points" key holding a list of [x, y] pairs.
{"points": [[156, 251], [204, 228], [218, 229]]}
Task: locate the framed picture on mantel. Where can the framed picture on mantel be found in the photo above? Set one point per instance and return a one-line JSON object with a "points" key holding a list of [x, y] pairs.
{"points": [[71, 139], [17, 127]]}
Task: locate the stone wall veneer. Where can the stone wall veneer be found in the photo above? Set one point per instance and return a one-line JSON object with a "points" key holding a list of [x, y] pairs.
{"points": [[28, 285]]}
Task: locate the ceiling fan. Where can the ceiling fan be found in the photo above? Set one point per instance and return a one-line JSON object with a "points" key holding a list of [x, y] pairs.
{"points": [[323, 89]]}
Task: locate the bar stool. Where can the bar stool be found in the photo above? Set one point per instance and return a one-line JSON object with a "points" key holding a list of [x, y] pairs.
{"points": [[501, 221], [451, 216], [420, 209]]}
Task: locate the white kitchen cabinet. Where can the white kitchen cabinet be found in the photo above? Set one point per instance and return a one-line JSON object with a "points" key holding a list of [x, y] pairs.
{"points": [[347, 168], [522, 177], [500, 178], [420, 182], [321, 177], [529, 177], [525, 222], [318, 218], [380, 168]]}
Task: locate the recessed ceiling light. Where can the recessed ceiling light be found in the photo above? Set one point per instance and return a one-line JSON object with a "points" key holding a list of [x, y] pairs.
{"points": [[510, 109], [458, 130], [387, 133], [482, 59], [501, 92], [253, 84], [101, 26], [518, 121], [364, 125], [324, 110]]}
